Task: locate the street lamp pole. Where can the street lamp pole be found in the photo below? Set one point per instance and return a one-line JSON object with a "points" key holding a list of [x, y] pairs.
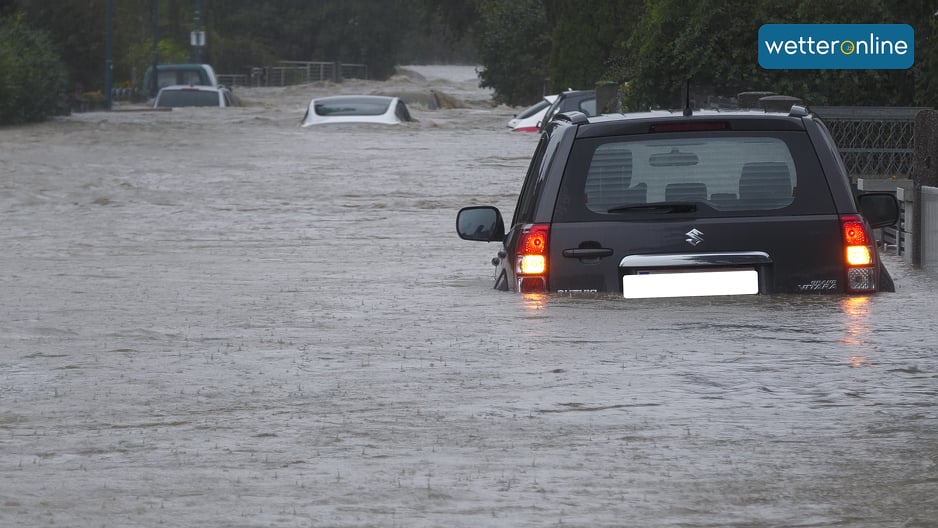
{"points": [[109, 55], [199, 39], [154, 83]]}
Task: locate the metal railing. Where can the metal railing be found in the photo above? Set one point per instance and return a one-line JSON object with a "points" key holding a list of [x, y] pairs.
{"points": [[233, 79], [874, 142], [288, 73], [877, 145]]}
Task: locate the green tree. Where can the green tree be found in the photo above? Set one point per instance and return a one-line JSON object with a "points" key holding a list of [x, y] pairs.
{"points": [[363, 31], [586, 36], [443, 33], [246, 33], [76, 31], [713, 43], [710, 42], [513, 49], [32, 76], [240, 34]]}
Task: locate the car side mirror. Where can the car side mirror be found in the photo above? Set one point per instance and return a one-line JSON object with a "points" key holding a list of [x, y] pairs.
{"points": [[881, 209], [482, 223]]}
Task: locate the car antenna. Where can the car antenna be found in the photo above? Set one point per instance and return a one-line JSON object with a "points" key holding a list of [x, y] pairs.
{"points": [[688, 111]]}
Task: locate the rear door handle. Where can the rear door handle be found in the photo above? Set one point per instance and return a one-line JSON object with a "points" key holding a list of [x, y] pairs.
{"points": [[584, 253]]}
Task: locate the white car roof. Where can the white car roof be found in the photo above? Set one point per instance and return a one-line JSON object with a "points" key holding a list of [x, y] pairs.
{"points": [[376, 102]]}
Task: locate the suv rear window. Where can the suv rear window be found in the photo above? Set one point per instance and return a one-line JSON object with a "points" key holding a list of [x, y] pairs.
{"points": [[725, 174], [181, 76]]}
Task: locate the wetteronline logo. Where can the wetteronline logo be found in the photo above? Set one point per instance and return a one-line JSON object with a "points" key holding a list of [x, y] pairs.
{"points": [[836, 46]]}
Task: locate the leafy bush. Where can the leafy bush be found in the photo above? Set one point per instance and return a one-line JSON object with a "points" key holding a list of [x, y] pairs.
{"points": [[32, 76]]}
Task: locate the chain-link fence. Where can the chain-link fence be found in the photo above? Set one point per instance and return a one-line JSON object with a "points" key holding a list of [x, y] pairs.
{"points": [[874, 142]]}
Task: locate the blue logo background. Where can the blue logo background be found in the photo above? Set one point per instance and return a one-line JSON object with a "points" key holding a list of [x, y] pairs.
{"points": [[836, 46]]}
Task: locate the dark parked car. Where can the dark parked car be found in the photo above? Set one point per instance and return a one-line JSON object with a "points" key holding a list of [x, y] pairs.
{"points": [[583, 101], [664, 205]]}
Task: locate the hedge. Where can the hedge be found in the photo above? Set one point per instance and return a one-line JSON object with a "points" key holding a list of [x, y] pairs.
{"points": [[32, 76]]}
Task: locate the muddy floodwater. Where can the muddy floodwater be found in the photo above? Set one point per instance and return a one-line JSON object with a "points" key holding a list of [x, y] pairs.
{"points": [[216, 318]]}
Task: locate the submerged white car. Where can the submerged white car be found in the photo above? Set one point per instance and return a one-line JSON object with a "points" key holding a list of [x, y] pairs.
{"points": [[528, 119], [379, 109]]}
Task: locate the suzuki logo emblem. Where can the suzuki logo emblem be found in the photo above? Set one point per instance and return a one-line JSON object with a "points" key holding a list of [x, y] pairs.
{"points": [[694, 237]]}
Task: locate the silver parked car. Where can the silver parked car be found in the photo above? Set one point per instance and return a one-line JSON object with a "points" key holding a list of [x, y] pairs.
{"points": [[179, 95], [379, 109]]}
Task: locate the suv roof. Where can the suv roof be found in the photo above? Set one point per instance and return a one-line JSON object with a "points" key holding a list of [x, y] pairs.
{"points": [[580, 118]]}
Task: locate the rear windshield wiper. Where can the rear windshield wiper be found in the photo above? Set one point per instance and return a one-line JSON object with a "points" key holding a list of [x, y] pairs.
{"points": [[660, 207]]}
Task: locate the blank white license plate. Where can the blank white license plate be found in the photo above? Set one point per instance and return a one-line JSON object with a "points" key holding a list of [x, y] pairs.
{"points": [[690, 284]]}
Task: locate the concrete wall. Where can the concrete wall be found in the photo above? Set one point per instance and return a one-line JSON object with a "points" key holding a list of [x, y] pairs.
{"points": [[925, 179], [929, 233]]}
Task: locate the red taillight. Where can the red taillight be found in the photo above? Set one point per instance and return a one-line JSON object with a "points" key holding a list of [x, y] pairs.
{"points": [[531, 259], [525, 129], [688, 127], [859, 254], [854, 231]]}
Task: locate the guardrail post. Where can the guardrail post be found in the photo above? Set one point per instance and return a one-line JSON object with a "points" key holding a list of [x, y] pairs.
{"points": [[607, 97], [924, 173]]}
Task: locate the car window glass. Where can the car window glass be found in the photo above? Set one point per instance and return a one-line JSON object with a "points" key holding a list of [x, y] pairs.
{"points": [[524, 211], [739, 173], [166, 78], [401, 112], [588, 107], [189, 77], [531, 110], [352, 106], [190, 97], [731, 174]]}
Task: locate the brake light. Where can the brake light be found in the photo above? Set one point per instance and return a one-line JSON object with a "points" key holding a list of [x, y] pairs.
{"points": [[525, 129], [859, 254], [689, 127], [531, 260]]}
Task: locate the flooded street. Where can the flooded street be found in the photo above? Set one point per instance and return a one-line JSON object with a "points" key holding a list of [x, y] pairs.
{"points": [[216, 318]]}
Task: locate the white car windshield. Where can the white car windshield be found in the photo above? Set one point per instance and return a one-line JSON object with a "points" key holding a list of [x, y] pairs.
{"points": [[352, 106]]}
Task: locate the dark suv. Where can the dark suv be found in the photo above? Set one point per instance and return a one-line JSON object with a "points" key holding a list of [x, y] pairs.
{"points": [[665, 204]]}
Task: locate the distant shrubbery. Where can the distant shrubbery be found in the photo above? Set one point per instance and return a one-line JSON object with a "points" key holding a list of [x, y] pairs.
{"points": [[32, 76]]}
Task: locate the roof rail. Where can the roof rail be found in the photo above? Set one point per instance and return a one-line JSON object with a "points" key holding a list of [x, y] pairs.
{"points": [[577, 118]]}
